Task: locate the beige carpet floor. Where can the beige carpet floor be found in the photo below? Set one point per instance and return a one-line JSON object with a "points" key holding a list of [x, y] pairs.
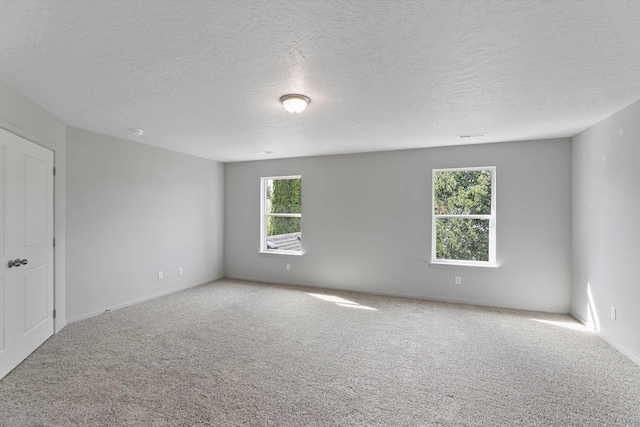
{"points": [[235, 353]]}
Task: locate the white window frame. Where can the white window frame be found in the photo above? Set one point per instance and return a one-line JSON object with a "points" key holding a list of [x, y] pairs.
{"points": [[491, 218], [264, 217]]}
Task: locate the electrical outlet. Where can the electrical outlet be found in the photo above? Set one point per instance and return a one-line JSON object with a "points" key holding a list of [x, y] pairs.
{"points": [[458, 280], [160, 275], [180, 271], [288, 267], [613, 312]]}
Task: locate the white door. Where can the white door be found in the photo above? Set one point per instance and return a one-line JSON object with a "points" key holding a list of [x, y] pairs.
{"points": [[26, 248]]}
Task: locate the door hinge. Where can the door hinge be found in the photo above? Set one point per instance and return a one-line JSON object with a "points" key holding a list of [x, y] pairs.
{"points": [[54, 171], [54, 313], [54, 243]]}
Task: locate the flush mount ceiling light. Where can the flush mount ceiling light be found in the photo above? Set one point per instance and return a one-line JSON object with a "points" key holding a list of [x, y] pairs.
{"points": [[294, 103]]}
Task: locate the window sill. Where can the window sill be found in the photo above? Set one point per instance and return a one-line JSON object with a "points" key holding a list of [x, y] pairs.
{"points": [[278, 253], [462, 264]]}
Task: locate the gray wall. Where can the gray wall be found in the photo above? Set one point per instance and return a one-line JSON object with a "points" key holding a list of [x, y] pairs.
{"points": [[367, 227], [25, 118], [606, 228], [132, 210]]}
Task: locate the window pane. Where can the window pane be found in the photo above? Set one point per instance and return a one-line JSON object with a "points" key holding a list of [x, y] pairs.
{"points": [[462, 192], [462, 239], [283, 233], [284, 195]]}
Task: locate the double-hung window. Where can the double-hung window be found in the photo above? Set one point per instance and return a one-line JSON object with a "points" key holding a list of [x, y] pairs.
{"points": [[281, 215], [464, 216]]}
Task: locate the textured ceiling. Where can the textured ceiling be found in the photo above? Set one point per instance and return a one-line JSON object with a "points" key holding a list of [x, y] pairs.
{"points": [[204, 77]]}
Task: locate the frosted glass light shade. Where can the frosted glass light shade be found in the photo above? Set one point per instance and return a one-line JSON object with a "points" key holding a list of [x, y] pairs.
{"points": [[295, 103]]}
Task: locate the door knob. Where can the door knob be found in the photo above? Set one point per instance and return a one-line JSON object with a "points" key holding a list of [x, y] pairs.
{"points": [[17, 262]]}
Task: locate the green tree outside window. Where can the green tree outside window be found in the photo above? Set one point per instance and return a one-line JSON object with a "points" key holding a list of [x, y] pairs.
{"points": [[463, 214], [284, 196]]}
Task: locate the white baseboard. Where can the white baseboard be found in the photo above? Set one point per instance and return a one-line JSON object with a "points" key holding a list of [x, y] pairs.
{"points": [[60, 326], [137, 301], [611, 342], [621, 349], [400, 295], [578, 318]]}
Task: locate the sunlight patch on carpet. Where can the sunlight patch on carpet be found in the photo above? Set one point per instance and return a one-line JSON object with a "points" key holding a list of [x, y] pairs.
{"points": [[567, 325], [342, 302]]}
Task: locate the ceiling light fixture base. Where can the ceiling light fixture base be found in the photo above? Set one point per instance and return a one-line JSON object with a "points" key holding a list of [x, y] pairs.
{"points": [[295, 103]]}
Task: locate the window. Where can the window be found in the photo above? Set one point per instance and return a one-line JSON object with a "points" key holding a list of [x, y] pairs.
{"points": [[464, 216], [281, 215]]}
